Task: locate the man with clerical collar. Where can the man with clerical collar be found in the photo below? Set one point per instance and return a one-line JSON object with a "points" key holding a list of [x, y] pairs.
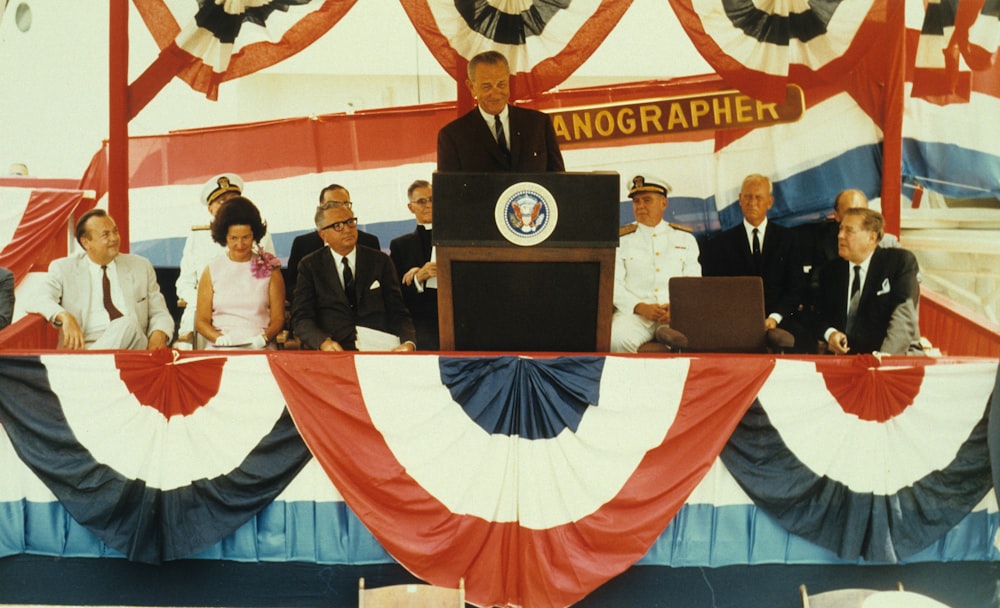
{"points": [[101, 298], [650, 252], [413, 256]]}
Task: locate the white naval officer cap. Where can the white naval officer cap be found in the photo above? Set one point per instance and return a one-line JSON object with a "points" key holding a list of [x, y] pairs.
{"points": [[219, 185]]}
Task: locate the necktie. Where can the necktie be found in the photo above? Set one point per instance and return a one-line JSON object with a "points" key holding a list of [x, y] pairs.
{"points": [[756, 250], [348, 282], [852, 307], [109, 306], [501, 138]]}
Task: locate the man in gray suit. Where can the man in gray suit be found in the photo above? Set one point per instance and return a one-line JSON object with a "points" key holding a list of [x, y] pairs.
{"points": [[6, 297], [103, 299]]}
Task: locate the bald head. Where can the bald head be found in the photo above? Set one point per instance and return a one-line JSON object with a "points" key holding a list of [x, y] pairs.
{"points": [[848, 199]]}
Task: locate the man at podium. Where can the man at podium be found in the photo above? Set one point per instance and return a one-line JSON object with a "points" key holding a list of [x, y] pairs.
{"points": [[496, 136]]}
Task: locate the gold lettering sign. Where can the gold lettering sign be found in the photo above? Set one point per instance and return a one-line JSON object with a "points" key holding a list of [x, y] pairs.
{"points": [[723, 110]]}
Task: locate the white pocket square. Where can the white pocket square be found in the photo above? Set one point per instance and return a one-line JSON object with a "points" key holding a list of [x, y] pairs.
{"points": [[375, 285], [885, 288]]}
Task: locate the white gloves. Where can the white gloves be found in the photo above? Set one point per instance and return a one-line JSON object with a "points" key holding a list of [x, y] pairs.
{"points": [[258, 342]]}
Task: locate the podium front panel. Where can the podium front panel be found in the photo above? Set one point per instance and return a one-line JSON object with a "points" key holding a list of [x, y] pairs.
{"points": [[539, 306], [497, 293]]}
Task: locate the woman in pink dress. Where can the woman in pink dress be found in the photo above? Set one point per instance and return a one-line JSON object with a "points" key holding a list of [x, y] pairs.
{"points": [[241, 294]]}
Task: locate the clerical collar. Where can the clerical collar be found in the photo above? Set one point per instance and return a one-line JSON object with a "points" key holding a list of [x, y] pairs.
{"points": [[425, 226]]}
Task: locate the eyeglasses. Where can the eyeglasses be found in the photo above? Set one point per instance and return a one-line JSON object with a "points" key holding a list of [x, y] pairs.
{"points": [[339, 226], [423, 201]]}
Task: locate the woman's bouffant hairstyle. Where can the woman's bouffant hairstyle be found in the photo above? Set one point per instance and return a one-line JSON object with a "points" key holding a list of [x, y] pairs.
{"points": [[237, 211]]}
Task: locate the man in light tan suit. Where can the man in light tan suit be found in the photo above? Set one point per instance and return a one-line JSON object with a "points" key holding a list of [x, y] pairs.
{"points": [[103, 299]]}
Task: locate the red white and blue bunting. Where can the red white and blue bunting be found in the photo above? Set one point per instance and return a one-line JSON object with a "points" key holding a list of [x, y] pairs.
{"points": [[566, 470], [756, 46], [224, 40], [544, 41]]}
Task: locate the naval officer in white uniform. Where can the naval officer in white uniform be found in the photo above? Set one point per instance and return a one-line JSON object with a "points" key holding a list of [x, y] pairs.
{"points": [[650, 252]]}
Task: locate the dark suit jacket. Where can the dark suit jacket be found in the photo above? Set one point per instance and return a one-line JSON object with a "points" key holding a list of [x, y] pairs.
{"points": [[6, 297], [818, 242], [887, 318], [321, 309], [467, 144], [728, 254], [304, 244], [409, 251]]}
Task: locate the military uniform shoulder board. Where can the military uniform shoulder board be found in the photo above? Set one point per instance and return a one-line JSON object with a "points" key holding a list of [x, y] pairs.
{"points": [[680, 227], [203, 227], [627, 229]]}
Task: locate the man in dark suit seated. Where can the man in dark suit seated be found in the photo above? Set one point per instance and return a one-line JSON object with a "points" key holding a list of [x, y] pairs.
{"points": [[344, 291], [6, 297], [496, 136], [304, 244], [759, 247], [868, 297], [412, 256], [819, 239]]}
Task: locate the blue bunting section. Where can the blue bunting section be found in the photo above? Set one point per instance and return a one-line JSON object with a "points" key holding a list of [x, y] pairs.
{"points": [[151, 487], [880, 482], [566, 469]]}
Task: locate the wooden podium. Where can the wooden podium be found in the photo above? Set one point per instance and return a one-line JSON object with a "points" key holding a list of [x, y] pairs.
{"points": [[518, 273]]}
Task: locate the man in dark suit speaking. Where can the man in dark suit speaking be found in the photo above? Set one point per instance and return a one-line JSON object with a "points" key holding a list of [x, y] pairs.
{"points": [[496, 136], [344, 290], [867, 298]]}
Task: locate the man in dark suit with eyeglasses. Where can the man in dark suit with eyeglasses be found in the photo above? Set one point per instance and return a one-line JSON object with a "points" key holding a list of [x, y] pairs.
{"points": [[344, 290], [306, 243]]}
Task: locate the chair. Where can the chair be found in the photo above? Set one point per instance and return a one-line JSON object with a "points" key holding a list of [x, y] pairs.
{"points": [[721, 315], [838, 598], [411, 596]]}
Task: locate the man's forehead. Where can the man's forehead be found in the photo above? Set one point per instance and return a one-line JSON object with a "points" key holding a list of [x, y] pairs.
{"points": [[855, 222], [338, 213], [491, 72], [336, 194], [100, 222]]}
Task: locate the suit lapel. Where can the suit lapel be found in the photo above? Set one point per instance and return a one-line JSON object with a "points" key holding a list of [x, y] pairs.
{"points": [[742, 247], [364, 274], [842, 271], [873, 278], [126, 283], [83, 284], [514, 137], [333, 273]]}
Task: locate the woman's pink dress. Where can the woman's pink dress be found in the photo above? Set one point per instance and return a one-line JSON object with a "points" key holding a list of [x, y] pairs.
{"points": [[240, 302]]}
